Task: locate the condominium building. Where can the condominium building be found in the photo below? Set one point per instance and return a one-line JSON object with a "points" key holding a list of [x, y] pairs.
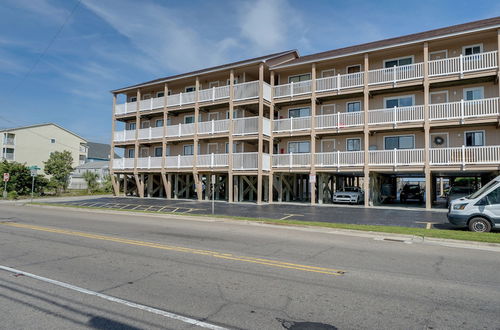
{"points": [[285, 127], [32, 145]]}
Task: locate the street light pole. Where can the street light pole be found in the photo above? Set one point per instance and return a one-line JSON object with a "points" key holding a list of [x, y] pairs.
{"points": [[32, 187]]}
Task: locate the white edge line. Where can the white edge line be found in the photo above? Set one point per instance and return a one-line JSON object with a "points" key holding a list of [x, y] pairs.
{"points": [[116, 300]]}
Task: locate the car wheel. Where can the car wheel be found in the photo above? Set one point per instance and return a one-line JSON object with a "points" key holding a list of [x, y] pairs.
{"points": [[479, 225]]}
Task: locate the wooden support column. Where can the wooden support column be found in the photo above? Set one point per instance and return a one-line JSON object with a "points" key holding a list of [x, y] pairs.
{"points": [[137, 126], [427, 168], [125, 184], [320, 188], [366, 132], [168, 188], [149, 187], [280, 188], [176, 185], [312, 185], [229, 185], [164, 143], [261, 134], [197, 179], [271, 141], [114, 182], [235, 188]]}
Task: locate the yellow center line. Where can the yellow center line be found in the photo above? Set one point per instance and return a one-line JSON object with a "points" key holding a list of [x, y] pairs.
{"points": [[215, 254]]}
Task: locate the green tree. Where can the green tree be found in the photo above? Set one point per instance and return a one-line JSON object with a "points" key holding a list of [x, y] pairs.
{"points": [[59, 166], [107, 185], [91, 180], [20, 178]]}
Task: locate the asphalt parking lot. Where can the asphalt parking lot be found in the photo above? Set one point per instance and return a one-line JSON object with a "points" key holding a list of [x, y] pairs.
{"points": [[335, 214]]}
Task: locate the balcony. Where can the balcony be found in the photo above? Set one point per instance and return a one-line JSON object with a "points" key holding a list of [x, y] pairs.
{"points": [[465, 155], [248, 161], [396, 157], [340, 120], [340, 159], [149, 162], [464, 109], [340, 82], [250, 126], [123, 163], [292, 160], [213, 126], [396, 74], [180, 130], [214, 94], [179, 161], [212, 160], [293, 89], [150, 133], [126, 135], [292, 124], [396, 115], [463, 64], [8, 141]]}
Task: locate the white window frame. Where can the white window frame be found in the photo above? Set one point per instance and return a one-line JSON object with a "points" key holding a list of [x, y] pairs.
{"points": [[132, 99], [438, 51], [399, 58], [298, 75], [399, 135], [398, 97], [213, 84], [349, 102], [156, 122], [129, 151], [472, 46], [475, 131], [328, 105], [188, 116], [184, 149], [211, 144], [440, 92], [347, 143], [351, 66], [299, 108], [187, 87], [146, 96], [127, 126], [442, 133], [302, 141], [327, 70], [156, 148], [472, 89], [327, 140]]}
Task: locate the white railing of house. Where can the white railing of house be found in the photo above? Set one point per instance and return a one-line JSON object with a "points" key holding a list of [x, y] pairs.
{"points": [[465, 155], [125, 135], [245, 161], [396, 73], [248, 90], [464, 109], [181, 99], [180, 130], [250, 125], [339, 82], [8, 141], [396, 157], [124, 108], [292, 124], [267, 91], [149, 162], [266, 162], [340, 158], [293, 89], [179, 161], [396, 115], [462, 64], [213, 126], [340, 120], [212, 160], [150, 133], [214, 94], [292, 160], [123, 163]]}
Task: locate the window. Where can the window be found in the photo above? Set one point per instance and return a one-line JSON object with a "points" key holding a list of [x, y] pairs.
{"points": [[146, 96], [131, 126], [353, 106], [494, 196], [327, 73], [158, 151], [299, 112], [353, 144], [52, 140], [473, 49], [299, 147], [399, 101], [188, 149], [235, 114], [398, 62], [159, 123], [353, 68], [8, 138], [399, 142], [235, 147], [190, 89], [188, 119], [438, 55], [473, 139], [131, 153], [475, 93], [299, 77], [160, 94], [132, 99], [228, 81], [213, 84], [145, 124]]}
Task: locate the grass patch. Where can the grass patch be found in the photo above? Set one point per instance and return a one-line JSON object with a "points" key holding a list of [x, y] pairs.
{"points": [[455, 234]]}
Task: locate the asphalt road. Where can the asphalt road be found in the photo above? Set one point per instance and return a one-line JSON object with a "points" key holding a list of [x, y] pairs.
{"points": [[232, 275], [394, 216]]}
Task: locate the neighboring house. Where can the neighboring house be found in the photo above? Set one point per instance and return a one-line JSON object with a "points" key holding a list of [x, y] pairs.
{"points": [[33, 144], [98, 152], [76, 178]]}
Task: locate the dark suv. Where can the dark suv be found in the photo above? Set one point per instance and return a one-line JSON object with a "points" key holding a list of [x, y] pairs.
{"points": [[411, 191]]}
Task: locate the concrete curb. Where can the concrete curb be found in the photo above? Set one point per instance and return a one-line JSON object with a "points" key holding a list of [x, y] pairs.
{"points": [[389, 237]]}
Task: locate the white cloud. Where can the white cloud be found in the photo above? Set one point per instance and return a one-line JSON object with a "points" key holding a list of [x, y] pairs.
{"points": [[42, 9]]}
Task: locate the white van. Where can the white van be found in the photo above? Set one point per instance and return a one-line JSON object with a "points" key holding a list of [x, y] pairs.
{"points": [[479, 211]]}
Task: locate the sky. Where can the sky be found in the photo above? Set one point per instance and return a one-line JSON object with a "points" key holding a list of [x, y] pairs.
{"points": [[60, 58]]}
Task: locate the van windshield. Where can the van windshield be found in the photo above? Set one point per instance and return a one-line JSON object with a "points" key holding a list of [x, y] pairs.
{"points": [[482, 190]]}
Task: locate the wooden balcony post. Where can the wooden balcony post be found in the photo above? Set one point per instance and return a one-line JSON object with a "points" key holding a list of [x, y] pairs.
{"points": [[427, 169], [137, 127], [230, 185], [366, 132], [115, 182], [313, 135], [271, 140], [260, 133]]}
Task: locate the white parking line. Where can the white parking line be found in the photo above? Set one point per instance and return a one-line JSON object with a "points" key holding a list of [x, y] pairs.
{"points": [[116, 300]]}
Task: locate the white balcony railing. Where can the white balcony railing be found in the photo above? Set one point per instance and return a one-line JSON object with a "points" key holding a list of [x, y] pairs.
{"points": [[245, 161], [396, 73], [464, 109], [126, 135], [179, 161], [250, 125], [396, 115], [465, 155], [462, 64], [123, 163], [214, 94], [124, 108], [293, 89], [180, 130], [292, 160], [8, 141], [292, 124], [396, 157], [340, 158], [212, 160], [339, 82], [213, 126], [340, 120], [150, 133], [245, 91]]}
